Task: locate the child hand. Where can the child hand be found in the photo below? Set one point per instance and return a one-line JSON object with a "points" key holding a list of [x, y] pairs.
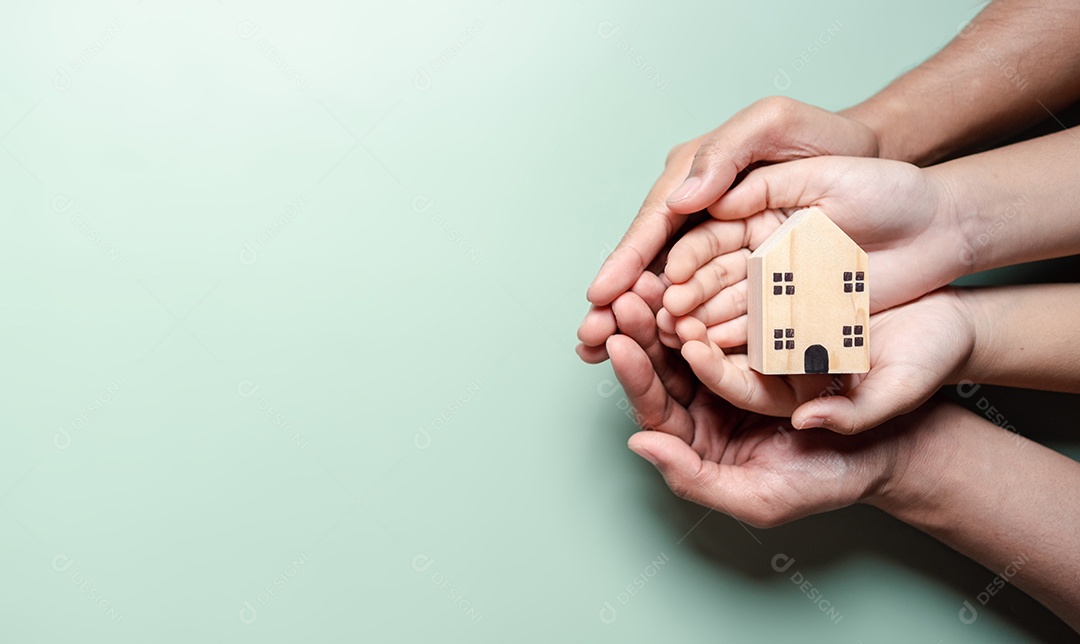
{"points": [[900, 215], [914, 349]]}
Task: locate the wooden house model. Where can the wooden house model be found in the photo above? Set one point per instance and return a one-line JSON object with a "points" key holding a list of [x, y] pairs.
{"points": [[808, 300]]}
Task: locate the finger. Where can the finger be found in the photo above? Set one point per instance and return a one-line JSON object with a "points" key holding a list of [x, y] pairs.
{"points": [[636, 321], [747, 136], [772, 129], [730, 334], [650, 231], [733, 382], [654, 406], [729, 304], [796, 184], [701, 245], [591, 355], [646, 236], [885, 393], [650, 287], [665, 324], [717, 486], [719, 273], [670, 340], [597, 327], [665, 321], [705, 358]]}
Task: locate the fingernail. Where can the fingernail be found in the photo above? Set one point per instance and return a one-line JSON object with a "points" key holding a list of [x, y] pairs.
{"points": [[812, 422], [645, 454], [686, 190]]}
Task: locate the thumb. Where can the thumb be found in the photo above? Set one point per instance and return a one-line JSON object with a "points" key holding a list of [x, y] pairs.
{"points": [[714, 485], [772, 129], [677, 462], [795, 184], [751, 135], [881, 396], [713, 171]]}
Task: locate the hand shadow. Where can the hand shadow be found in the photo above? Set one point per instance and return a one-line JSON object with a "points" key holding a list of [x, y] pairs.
{"points": [[821, 542]]}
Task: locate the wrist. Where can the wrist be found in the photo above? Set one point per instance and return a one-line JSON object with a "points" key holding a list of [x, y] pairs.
{"points": [[970, 304], [884, 119], [957, 219], [914, 486]]}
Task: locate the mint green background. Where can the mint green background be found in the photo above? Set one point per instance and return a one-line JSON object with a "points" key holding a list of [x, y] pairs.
{"points": [[182, 424]]}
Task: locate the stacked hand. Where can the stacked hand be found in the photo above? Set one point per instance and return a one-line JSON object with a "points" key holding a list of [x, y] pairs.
{"points": [[669, 305], [903, 219], [696, 173], [751, 466]]}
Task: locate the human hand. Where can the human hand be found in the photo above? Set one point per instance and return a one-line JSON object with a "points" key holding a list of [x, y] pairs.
{"points": [[753, 467], [696, 173], [915, 349], [903, 217]]}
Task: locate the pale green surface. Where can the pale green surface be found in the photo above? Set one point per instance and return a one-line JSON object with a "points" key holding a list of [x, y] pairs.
{"points": [[360, 322]]}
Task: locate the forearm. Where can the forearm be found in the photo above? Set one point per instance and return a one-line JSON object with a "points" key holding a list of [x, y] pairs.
{"points": [[1015, 61], [1014, 204], [1002, 500], [1025, 336]]}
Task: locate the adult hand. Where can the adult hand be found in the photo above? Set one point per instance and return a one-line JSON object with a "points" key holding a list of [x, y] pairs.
{"points": [[696, 174], [755, 468]]}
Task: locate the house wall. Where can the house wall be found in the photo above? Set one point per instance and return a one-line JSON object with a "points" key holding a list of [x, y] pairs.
{"points": [[816, 254]]}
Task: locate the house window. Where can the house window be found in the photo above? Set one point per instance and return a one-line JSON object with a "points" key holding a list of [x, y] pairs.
{"points": [[783, 339], [854, 281], [782, 284], [853, 336]]}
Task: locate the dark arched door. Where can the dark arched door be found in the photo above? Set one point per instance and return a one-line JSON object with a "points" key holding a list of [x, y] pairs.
{"points": [[816, 359]]}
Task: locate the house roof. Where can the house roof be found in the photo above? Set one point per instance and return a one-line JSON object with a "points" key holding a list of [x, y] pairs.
{"points": [[813, 217]]}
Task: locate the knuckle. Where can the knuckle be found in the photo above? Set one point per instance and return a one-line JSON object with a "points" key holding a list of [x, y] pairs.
{"points": [[777, 112], [721, 274], [739, 299], [700, 292], [775, 105]]}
